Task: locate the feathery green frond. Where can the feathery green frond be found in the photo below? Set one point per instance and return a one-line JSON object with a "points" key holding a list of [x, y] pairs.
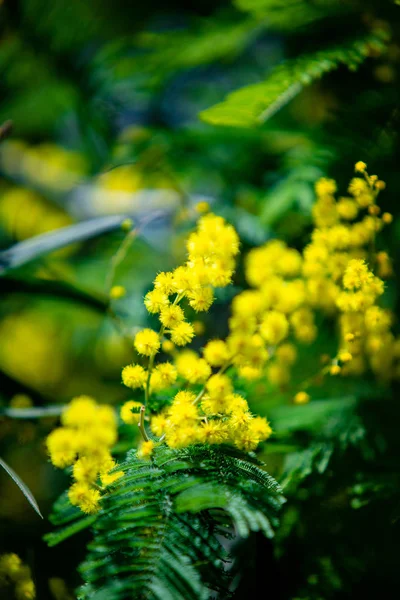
{"points": [[254, 104], [158, 533]]}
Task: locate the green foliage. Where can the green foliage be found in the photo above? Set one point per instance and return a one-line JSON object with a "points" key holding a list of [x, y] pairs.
{"points": [[254, 104], [45, 243], [166, 54], [159, 532], [122, 83], [320, 430], [290, 14], [22, 486]]}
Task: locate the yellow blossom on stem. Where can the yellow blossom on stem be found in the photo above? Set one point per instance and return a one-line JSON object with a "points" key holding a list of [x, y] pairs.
{"points": [[216, 353], [360, 167], [147, 342], [130, 412], [155, 300], [182, 334], [134, 376], [146, 449], [171, 316], [87, 498], [164, 283]]}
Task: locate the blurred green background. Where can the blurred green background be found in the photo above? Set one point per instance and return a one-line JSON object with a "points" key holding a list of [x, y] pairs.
{"points": [[104, 97]]}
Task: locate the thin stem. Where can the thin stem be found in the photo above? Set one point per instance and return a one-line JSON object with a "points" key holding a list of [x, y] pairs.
{"points": [[141, 425], [203, 390], [177, 299], [119, 256], [199, 395]]}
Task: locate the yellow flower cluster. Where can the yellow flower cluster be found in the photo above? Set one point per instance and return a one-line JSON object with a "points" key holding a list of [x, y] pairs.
{"points": [[211, 251], [330, 275], [364, 326], [214, 414], [276, 313], [14, 572], [88, 431]]}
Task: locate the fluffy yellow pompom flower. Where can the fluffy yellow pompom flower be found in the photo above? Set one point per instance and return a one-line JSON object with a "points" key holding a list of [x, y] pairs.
{"points": [[347, 209], [360, 166], [167, 374], [171, 316], [201, 299], [155, 301], [219, 385], [236, 402], [182, 334], [129, 417], [84, 441], [182, 280], [86, 469], [81, 410], [274, 327], [356, 274], [62, 447], [325, 187], [158, 424], [180, 413], [87, 498], [250, 373], [164, 282], [214, 432], [134, 376], [192, 368], [146, 449], [377, 319], [216, 353], [220, 273], [261, 427], [184, 397], [239, 418], [250, 434], [147, 342]]}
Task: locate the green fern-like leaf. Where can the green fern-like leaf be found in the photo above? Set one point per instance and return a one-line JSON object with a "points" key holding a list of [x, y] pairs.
{"points": [[158, 534], [330, 427], [256, 103]]}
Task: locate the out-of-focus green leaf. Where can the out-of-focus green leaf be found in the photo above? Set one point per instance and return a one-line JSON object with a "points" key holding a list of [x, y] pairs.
{"points": [[22, 486], [254, 104], [311, 416], [58, 289], [31, 249], [165, 53], [291, 14], [296, 189]]}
